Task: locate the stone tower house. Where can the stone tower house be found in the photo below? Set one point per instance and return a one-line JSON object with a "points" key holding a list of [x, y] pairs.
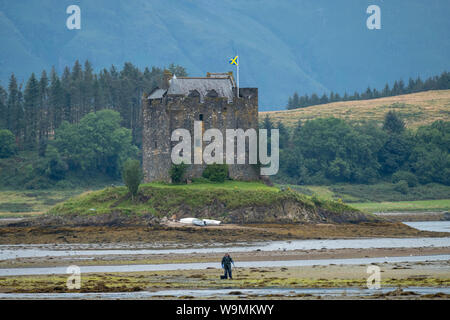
{"points": [[211, 100]]}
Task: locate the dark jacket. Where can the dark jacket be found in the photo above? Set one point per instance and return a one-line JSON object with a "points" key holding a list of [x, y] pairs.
{"points": [[227, 261]]}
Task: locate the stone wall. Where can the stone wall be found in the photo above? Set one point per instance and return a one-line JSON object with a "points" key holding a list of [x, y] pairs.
{"points": [[162, 116]]}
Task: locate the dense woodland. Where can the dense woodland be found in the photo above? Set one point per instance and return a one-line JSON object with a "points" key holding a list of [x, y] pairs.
{"points": [[32, 111], [80, 126], [331, 150], [399, 87]]}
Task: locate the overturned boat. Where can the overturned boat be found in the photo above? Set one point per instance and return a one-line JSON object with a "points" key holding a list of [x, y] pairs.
{"points": [[201, 222]]}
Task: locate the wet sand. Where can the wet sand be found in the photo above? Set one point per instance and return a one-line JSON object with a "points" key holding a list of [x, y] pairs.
{"points": [[191, 234], [430, 274], [393, 275], [216, 257]]}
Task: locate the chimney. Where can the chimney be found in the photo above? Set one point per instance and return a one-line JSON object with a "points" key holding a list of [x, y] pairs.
{"points": [[166, 77]]}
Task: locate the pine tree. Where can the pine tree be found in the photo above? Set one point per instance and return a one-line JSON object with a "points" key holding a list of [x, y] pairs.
{"points": [[76, 91], [401, 87], [314, 99], [43, 116], [332, 98], [15, 109], [411, 85], [395, 89], [88, 89], [323, 99], [66, 83], [283, 135], [393, 123], [31, 103], [56, 100], [419, 85], [4, 114], [368, 94], [296, 100], [386, 91]]}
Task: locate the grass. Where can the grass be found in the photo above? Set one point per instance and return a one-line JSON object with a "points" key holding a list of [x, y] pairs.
{"points": [[20, 203], [416, 109], [383, 197], [165, 199], [232, 201], [421, 205], [379, 192]]}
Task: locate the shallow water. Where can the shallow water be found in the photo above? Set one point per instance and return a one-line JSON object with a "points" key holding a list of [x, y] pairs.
{"points": [[436, 226], [204, 265], [339, 292], [13, 252]]}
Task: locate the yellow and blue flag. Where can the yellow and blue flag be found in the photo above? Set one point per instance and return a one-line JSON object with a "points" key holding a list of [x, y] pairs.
{"points": [[234, 60]]}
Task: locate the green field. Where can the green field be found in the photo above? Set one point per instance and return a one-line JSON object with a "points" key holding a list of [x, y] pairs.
{"points": [[383, 197], [421, 205], [370, 198], [20, 203]]}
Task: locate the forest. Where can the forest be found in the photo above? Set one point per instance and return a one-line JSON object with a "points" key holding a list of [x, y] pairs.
{"points": [[81, 126], [330, 150]]}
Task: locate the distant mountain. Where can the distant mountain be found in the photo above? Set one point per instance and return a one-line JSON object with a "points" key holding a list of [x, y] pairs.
{"points": [[284, 45]]}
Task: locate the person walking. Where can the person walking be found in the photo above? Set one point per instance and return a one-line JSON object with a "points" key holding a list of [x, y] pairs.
{"points": [[226, 265]]}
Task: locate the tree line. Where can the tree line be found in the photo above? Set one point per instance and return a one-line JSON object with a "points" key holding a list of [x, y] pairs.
{"points": [[440, 82], [331, 150], [34, 110]]}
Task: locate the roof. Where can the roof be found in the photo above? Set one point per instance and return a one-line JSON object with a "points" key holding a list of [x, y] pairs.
{"points": [[183, 86], [157, 93]]}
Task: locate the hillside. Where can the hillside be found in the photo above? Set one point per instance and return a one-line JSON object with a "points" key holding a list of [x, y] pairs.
{"points": [[235, 202], [416, 109], [284, 46]]}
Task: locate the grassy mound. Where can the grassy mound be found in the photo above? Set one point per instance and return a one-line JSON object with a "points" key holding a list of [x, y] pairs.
{"points": [[231, 201]]}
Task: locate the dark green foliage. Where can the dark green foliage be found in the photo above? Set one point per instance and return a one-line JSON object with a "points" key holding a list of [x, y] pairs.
{"points": [[177, 172], [430, 158], [34, 113], [216, 172], [132, 176], [31, 107], [395, 153], [393, 123], [4, 114], [401, 186], [56, 166], [97, 142], [283, 135], [7, 144], [325, 151], [407, 176]]}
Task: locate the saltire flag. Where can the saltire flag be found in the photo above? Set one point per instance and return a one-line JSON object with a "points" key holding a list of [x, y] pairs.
{"points": [[234, 60]]}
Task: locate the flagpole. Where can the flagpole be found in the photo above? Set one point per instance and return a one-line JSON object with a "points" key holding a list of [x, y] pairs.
{"points": [[237, 76]]}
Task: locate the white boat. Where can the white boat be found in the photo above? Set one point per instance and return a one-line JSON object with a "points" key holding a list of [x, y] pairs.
{"points": [[188, 220], [210, 222], [200, 222]]}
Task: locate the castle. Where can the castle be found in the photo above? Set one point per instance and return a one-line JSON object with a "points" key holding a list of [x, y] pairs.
{"points": [[212, 100]]}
